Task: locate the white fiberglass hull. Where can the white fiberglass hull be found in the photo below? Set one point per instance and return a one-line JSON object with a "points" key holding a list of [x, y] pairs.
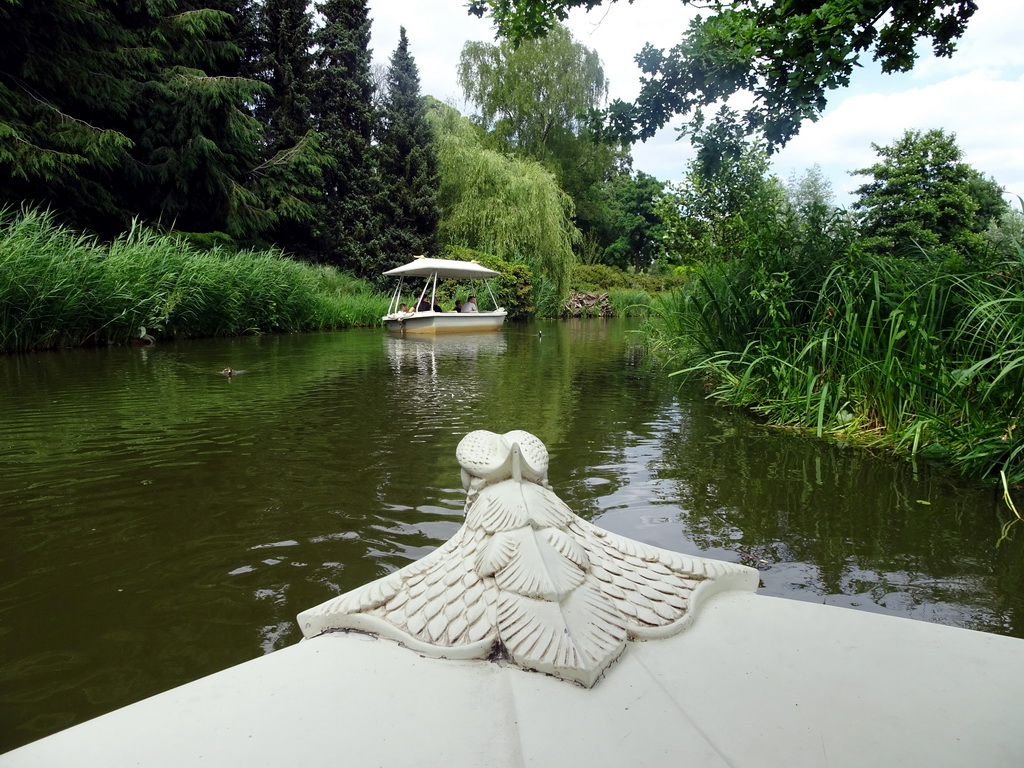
{"points": [[445, 322]]}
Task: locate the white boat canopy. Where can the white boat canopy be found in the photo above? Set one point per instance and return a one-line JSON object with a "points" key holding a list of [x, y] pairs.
{"points": [[428, 267]]}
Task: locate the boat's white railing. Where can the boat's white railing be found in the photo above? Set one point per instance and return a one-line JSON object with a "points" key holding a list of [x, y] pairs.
{"points": [[396, 297]]}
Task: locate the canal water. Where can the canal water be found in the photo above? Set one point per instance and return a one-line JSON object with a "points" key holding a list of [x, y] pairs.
{"points": [[159, 521]]}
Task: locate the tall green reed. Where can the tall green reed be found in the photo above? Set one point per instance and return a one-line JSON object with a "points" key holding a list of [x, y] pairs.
{"points": [[62, 288], [897, 353], [629, 302]]}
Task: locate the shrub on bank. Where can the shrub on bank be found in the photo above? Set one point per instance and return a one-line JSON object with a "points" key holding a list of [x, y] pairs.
{"points": [[602, 278], [62, 288], [629, 302]]}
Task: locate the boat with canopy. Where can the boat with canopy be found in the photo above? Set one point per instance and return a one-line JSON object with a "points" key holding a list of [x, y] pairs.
{"points": [[416, 320]]}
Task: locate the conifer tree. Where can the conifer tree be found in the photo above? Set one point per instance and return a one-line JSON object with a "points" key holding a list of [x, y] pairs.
{"points": [[285, 62], [343, 116], [407, 164], [290, 176], [62, 79], [110, 111], [924, 198], [195, 142]]}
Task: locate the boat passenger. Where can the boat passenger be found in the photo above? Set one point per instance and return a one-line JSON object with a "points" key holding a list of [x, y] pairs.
{"points": [[470, 305], [402, 308], [424, 305], [458, 306]]}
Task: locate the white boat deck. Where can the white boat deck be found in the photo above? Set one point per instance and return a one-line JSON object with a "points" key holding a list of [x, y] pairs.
{"points": [[757, 681]]}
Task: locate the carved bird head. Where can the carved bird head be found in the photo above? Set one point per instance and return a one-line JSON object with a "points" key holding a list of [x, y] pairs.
{"points": [[487, 457]]}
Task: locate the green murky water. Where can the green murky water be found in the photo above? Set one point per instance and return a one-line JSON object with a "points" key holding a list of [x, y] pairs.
{"points": [[159, 522]]}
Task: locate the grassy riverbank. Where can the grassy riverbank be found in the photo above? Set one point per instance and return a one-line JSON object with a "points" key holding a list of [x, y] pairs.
{"points": [[60, 288], [888, 352]]}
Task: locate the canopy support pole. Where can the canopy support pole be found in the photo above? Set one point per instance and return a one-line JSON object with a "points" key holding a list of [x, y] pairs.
{"points": [[494, 301], [393, 307]]}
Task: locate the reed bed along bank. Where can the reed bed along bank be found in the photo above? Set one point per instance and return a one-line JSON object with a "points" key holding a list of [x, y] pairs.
{"points": [[61, 288], [890, 353], [630, 302]]}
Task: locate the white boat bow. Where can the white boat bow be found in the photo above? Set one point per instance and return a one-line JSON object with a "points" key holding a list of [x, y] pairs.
{"points": [[533, 637]]}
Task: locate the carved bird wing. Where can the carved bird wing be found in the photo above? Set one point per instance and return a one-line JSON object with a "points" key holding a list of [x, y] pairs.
{"points": [[657, 590], [438, 605]]}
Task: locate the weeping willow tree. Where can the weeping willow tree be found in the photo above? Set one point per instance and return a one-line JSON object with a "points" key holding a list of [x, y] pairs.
{"points": [[509, 207]]}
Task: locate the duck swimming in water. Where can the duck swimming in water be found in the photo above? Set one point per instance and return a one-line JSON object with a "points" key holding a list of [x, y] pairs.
{"points": [[229, 371]]}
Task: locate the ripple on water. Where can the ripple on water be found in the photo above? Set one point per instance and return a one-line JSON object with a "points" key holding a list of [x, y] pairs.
{"points": [[198, 515]]}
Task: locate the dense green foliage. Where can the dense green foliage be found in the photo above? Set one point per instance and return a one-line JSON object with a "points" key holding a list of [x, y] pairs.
{"points": [[343, 115], [61, 288], [284, 61], [256, 123], [541, 99], [923, 196], [787, 54], [725, 205], [109, 111], [277, 50], [513, 288], [635, 232], [806, 315], [250, 119], [602, 277], [903, 355], [253, 122], [511, 208]]}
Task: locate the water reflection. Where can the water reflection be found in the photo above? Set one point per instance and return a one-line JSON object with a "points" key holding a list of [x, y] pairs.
{"points": [[442, 372], [839, 526], [161, 521], [423, 351]]}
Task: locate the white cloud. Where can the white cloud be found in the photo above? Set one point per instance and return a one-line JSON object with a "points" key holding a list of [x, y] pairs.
{"points": [[618, 31], [978, 94], [992, 42], [986, 114]]}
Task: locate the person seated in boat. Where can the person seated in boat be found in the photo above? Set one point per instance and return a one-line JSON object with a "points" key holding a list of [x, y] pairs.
{"points": [[470, 305], [458, 306], [424, 305], [403, 308]]}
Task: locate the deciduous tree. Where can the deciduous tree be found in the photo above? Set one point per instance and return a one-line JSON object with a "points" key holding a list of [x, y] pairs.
{"points": [[788, 54], [541, 99], [636, 224], [728, 205], [509, 207]]}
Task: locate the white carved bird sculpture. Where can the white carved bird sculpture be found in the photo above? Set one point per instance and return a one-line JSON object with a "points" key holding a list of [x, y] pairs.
{"points": [[527, 580]]}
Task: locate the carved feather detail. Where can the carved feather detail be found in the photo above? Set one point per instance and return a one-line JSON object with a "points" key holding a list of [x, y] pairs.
{"points": [[527, 578]]}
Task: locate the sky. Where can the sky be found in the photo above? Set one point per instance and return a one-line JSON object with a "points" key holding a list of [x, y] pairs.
{"points": [[978, 94]]}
